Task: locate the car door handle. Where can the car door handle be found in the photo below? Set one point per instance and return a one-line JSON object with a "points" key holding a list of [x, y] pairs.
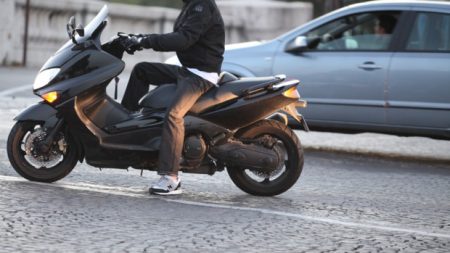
{"points": [[369, 65]]}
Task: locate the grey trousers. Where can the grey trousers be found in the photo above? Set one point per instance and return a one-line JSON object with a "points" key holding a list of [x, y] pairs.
{"points": [[189, 88]]}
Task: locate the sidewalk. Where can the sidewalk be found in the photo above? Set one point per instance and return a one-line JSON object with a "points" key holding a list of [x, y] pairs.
{"points": [[380, 145], [371, 144]]}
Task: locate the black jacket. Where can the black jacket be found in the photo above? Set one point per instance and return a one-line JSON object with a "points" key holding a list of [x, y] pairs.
{"points": [[198, 36]]}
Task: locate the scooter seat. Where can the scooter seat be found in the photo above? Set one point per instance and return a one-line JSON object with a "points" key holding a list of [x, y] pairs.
{"points": [[239, 86]]}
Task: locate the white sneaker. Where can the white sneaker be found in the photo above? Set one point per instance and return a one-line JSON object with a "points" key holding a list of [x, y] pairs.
{"points": [[166, 186]]}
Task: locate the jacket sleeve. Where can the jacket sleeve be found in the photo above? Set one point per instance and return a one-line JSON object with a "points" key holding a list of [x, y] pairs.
{"points": [[193, 27]]}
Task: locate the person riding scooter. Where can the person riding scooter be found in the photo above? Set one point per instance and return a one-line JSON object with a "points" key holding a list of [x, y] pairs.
{"points": [[198, 39]]}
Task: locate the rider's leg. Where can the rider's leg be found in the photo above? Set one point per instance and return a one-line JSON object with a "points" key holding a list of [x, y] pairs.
{"points": [[189, 88], [144, 74]]}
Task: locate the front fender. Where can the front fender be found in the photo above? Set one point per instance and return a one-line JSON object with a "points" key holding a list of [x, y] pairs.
{"points": [[37, 112]]}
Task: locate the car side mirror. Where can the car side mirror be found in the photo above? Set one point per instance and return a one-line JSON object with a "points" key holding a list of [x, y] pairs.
{"points": [[297, 45]]}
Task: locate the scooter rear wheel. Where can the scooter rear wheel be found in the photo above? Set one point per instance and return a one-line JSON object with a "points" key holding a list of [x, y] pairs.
{"points": [[280, 179], [24, 155]]}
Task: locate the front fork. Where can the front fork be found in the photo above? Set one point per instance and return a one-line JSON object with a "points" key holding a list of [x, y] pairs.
{"points": [[52, 127]]}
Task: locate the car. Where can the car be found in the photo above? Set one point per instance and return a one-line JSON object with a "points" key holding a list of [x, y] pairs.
{"points": [[380, 66]]}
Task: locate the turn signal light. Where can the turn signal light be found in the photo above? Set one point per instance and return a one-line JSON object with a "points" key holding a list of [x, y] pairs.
{"points": [[50, 96], [291, 93]]}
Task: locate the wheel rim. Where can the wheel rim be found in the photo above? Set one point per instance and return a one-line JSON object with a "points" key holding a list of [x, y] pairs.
{"points": [[30, 151], [268, 178]]}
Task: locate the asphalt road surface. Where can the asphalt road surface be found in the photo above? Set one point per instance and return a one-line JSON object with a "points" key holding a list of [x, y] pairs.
{"points": [[341, 203]]}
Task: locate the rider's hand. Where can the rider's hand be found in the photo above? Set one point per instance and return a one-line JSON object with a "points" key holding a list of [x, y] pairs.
{"points": [[132, 43]]}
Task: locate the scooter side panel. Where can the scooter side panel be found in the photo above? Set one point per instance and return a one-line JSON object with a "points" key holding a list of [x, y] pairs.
{"points": [[248, 110]]}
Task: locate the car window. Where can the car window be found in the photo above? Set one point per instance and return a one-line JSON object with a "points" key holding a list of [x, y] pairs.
{"points": [[364, 31], [431, 32]]}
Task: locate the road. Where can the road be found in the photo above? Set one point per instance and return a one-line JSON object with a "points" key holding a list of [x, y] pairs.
{"points": [[341, 203]]}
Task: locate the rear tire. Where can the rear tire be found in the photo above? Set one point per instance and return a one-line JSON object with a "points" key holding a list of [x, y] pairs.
{"points": [[241, 177], [17, 155]]}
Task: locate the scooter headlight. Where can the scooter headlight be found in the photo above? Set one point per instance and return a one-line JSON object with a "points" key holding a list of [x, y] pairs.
{"points": [[44, 77]]}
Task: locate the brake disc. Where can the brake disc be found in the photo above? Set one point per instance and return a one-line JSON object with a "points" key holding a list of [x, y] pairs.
{"points": [[40, 160]]}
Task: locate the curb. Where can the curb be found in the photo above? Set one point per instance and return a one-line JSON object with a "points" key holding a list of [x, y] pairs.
{"points": [[413, 148], [375, 154]]}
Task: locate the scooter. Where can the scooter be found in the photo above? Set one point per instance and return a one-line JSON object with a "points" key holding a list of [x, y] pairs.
{"points": [[240, 125]]}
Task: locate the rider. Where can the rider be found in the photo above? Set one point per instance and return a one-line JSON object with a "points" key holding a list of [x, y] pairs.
{"points": [[198, 39]]}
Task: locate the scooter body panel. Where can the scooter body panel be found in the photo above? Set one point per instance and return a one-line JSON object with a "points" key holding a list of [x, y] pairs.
{"points": [[87, 69]]}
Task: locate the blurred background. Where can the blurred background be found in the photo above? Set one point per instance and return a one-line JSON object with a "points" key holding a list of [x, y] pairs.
{"points": [[32, 30], [320, 6]]}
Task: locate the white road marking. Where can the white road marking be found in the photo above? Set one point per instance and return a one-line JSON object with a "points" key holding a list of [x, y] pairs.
{"points": [[21, 88], [140, 193]]}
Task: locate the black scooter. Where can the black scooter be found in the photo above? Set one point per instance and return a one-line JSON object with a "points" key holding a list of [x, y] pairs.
{"points": [[241, 126]]}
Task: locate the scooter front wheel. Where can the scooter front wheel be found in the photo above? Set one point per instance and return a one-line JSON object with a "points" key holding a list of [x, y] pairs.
{"points": [[28, 159]]}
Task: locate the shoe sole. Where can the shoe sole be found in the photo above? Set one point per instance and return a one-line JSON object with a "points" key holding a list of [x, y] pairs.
{"points": [[175, 192]]}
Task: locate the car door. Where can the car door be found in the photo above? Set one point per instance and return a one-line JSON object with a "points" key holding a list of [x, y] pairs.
{"points": [[343, 70], [419, 78]]}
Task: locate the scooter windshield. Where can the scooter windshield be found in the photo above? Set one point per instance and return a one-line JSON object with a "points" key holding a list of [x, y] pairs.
{"points": [[90, 28], [93, 25]]}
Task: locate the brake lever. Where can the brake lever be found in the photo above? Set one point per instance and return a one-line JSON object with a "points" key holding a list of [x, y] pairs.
{"points": [[122, 34], [127, 35]]}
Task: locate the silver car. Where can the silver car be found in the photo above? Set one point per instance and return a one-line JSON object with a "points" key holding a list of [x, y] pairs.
{"points": [[377, 66]]}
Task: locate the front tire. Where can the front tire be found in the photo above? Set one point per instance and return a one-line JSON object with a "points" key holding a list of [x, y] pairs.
{"points": [[40, 167], [248, 180]]}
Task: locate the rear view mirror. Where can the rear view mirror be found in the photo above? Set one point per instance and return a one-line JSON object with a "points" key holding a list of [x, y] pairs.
{"points": [[71, 29], [72, 22], [298, 44], [70, 26]]}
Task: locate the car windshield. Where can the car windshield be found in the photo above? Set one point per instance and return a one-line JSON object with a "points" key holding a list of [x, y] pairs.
{"points": [[89, 28]]}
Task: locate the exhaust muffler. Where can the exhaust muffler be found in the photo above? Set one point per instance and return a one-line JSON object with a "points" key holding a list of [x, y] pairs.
{"points": [[246, 156]]}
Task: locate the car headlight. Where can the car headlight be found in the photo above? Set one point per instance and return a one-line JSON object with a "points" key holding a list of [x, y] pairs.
{"points": [[44, 77]]}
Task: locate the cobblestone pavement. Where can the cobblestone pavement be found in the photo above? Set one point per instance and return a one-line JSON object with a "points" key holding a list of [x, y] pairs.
{"points": [[341, 203]]}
